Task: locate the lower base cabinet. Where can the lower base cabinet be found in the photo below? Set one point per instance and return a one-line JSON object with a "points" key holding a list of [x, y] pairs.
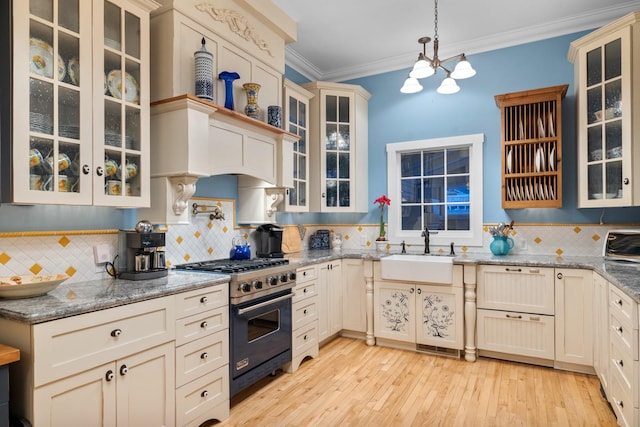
{"points": [[305, 314], [418, 313], [133, 391]]}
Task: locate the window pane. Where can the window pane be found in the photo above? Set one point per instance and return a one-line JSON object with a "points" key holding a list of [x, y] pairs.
{"points": [[434, 217], [293, 110], [331, 108], [458, 217], [302, 115], [458, 189], [344, 141], [411, 218], [410, 164], [344, 109], [612, 59], [343, 167], [331, 137], [332, 165], [594, 66], [332, 193], [433, 163], [411, 191], [343, 190], [434, 190], [458, 161]]}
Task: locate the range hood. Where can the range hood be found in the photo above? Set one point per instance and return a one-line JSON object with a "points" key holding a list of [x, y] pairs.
{"points": [[192, 138]]}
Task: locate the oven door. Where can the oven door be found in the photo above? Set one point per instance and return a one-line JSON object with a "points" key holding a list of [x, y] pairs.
{"points": [[260, 331]]}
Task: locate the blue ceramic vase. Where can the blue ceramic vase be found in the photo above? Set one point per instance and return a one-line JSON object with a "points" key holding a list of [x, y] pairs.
{"points": [[228, 78], [501, 245]]}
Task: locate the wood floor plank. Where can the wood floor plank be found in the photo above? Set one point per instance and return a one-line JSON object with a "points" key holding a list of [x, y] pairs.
{"points": [[352, 384]]}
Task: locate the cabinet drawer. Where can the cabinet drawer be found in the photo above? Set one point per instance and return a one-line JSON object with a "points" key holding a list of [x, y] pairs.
{"points": [[200, 300], [621, 332], [199, 357], [516, 333], [199, 397], [305, 290], [623, 365], [623, 307], [73, 344], [622, 403], [306, 274], [515, 288], [200, 325], [305, 338], [305, 312]]}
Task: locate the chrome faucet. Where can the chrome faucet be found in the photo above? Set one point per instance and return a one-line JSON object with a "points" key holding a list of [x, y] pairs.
{"points": [[404, 247], [425, 234]]}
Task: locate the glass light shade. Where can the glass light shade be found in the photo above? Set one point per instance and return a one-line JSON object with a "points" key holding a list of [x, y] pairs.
{"points": [[422, 69], [463, 70], [448, 86], [411, 85]]}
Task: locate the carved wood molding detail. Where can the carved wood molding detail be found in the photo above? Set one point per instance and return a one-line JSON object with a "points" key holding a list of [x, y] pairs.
{"points": [[237, 23]]}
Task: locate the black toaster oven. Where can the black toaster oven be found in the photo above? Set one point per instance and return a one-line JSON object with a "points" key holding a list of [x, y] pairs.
{"points": [[622, 245]]}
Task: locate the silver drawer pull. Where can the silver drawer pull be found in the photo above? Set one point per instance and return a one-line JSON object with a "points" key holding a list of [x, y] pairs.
{"points": [[109, 375], [124, 370], [305, 311], [620, 363], [116, 332], [514, 316], [619, 403], [305, 290], [305, 337]]}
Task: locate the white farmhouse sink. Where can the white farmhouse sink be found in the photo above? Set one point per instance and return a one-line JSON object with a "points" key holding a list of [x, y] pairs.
{"points": [[418, 268]]}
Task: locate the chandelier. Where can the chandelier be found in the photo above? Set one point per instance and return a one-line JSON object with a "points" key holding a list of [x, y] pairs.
{"points": [[426, 67]]}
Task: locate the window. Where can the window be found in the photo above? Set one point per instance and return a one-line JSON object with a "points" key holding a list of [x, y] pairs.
{"points": [[436, 183]]}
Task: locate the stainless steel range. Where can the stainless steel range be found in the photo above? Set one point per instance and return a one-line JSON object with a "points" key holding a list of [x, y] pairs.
{"points": [[260, 292]]}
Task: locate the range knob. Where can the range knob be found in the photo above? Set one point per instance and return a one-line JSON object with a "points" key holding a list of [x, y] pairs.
{"points": [[272, 281], [283, 278], [257, 284], [245, 287], [291, 275]]}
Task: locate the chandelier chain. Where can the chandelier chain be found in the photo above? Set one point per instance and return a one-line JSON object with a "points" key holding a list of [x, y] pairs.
{"points": [[436, 20]]}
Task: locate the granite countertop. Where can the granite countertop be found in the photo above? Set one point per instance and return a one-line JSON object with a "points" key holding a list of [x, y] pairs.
{"points": [[70, 299]]}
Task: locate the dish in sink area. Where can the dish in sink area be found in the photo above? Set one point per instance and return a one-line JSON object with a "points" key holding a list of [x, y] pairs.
{"points": [[29, 286]]}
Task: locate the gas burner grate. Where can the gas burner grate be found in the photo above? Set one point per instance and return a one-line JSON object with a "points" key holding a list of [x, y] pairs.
{"points": [[233, 266]]}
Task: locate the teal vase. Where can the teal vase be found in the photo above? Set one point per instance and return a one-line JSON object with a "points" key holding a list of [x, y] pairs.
{"points": [[501, 245]]}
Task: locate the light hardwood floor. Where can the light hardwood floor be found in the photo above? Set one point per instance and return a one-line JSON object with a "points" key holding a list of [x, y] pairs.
{"points": [[352, 384]]}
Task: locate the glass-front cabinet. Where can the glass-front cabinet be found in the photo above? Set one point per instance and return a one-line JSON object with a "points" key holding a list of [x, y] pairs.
{"points": [[80, 102], [338, 148], [607, 120], [296, 113]]}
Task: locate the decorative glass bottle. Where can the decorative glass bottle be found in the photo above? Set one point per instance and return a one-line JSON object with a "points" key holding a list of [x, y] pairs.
{"points": [[252, 110], [228, 78]]}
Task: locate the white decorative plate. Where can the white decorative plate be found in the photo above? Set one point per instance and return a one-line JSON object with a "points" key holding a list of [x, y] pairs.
{"points": [[509, 160], [41, 59], [541, 133], [540, 162], [552, 159], [29, 286], [115, 85], [552, 131], [74, 71]]}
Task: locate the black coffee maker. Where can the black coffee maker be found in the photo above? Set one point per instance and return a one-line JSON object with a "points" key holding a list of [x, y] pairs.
{"points": [[269, 239], [142, 255]]}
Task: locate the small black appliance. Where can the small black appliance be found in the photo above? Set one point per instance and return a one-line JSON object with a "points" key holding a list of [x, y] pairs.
{"points": [[269, 238], [142, 255]]}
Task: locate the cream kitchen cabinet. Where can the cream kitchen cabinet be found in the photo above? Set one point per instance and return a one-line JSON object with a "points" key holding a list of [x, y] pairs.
{"points": [[296, 120], [607, 84], [601, 330], [419, 313], [305, 317], [354, 298], [114, 364], [329, 299], [202, 355], [83, 136], [515, 316], [131, 391], [338, 148], [574, 318], [623, 392]]}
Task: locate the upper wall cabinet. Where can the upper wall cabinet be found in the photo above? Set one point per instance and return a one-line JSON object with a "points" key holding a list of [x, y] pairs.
{"points": [[531, 134], [81, 135], [607, 76], [296, 120], [338, 148]]}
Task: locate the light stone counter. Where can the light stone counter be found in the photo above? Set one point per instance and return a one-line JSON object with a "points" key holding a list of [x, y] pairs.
{"points": [[70, 299]]}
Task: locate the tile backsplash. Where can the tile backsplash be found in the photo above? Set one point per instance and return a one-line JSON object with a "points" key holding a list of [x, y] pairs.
{"points": [[71, 252]]}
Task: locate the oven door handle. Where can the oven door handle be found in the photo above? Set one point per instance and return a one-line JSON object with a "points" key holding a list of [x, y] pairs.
{"points": [[242, 311]]}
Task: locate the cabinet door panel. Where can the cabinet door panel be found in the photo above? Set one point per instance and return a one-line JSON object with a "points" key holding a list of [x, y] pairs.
{"points": [[86, 399], [574, 316], [440, 311], [394, 311]]}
